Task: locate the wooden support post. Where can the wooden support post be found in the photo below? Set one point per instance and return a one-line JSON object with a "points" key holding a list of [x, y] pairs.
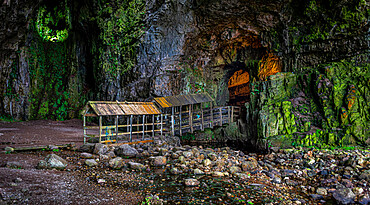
{"points": [[153, 127], [131, 118], [220, 116], [211, 114], [232, 113], [161, 125], [116, 128], [180, 122], [201, 108], [228, 114], [100, 125], [143, 127], [173, 121], [84, 124], [191, 118]]}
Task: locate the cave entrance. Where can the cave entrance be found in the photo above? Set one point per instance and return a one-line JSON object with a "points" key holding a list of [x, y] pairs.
{"points": [[238, 87]]}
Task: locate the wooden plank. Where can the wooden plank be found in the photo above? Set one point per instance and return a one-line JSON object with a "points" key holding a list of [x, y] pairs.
{"points": [[228, 114], [232, 113], [180, 114], [191, 118], [131, 116], [173, 121], [90, 115], [143, 126], [220, 116], [100, 128], [116, 127], [84, 126], [211, 114], [161, 125], [201, 107], [135, 142], [153, 127]]}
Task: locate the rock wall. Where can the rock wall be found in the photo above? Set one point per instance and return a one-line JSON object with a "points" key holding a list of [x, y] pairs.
{"points": [[134, 50]]}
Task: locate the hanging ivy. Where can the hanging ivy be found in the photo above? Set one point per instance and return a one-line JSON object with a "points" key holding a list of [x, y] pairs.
{"points": [[54, 22]]}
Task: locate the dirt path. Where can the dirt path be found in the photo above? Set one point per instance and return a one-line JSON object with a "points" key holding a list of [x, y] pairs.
{"points": [[40, 132], [22, 183]]}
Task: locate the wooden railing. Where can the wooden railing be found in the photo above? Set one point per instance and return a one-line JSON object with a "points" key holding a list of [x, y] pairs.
{"points": [[175, 123]]}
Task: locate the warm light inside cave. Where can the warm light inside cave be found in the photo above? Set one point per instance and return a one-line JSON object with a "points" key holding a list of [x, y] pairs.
{"points": [[269, 65], [238, 86]]}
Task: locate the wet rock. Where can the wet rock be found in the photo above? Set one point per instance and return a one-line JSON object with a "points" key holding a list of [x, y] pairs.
{"points": [[101, 181], [136, 166], [116, 163], [250, 165], [198, 172], [344, 195], [358, 190], [321, 191], [55, 161], [126, 151], [89, 147], [235, 169], [91, 162], [365, 175], [187, 154], [14, 165], [207, 162], [191, 182], [212, 156], [42, 165], [86, 155], [181, 159], [316, 196], [159, 161], [218, 174], [100, 149], [175, 171]]}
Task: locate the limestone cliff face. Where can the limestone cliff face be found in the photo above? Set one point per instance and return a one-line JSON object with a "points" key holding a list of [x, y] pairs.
{"points": [[120, 50]]}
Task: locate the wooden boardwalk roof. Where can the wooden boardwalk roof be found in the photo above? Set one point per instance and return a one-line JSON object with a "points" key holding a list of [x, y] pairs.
{"points": [[107, 108], [179, 100]]}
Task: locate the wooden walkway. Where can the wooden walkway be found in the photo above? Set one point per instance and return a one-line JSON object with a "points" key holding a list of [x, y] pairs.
{"points": [[142, 128]]}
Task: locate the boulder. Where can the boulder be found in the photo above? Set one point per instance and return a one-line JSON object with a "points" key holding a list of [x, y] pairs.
{"points": [[86, 155], [14, 165], [116, 163], [191, 182], [235, 169], [55, 161], [91, 162], [175, 171], [126, 151], [344, 195], [249, 165], [136, 166], [159, 161], [207, 162], [365, 175], [198, 172], [89, 147], [101, 149]]}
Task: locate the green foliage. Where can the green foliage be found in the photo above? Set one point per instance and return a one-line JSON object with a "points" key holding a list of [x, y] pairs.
{"points": [[122, 25], [49, 67], [53, 24], [325, 20]]}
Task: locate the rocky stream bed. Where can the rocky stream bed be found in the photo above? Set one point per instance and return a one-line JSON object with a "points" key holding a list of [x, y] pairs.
{"points": [[164, 172]]}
